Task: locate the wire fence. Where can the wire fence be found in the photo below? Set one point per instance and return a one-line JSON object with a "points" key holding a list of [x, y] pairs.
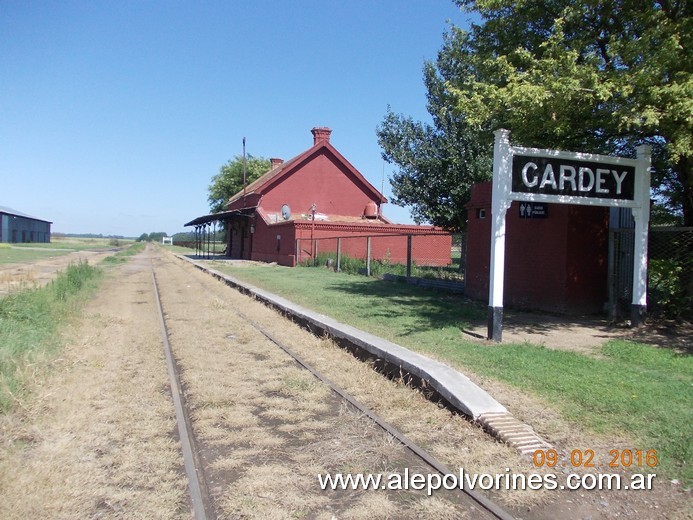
{"points": [[670, 271], [440, 256], [443, 257]]}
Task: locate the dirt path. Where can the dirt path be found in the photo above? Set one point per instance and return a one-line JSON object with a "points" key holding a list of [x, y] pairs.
{"points": [[585, 335], [97, 438]]}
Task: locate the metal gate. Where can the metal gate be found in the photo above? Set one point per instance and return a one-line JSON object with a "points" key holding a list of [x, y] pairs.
{"points": [[621, 250]]}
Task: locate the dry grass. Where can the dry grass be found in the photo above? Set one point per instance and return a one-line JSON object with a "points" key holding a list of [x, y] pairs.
{"points": [[450, 437], [447, 436], [95, 441], [37, 272], [266, 425]]}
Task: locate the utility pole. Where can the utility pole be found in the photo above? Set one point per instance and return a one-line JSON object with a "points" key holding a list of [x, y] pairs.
{"points": [[244, 181]]}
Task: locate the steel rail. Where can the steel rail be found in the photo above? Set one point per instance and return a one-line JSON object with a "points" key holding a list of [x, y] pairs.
{"points": [[199, 495], [487, 504], [434, 463]]}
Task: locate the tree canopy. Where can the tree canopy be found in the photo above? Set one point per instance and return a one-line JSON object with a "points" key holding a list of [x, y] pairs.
{"points": [[154, 236], [600, 76], [229, 180], [437, 163]]}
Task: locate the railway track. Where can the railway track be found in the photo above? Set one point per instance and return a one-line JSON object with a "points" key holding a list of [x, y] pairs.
{"points": [[200, 347]]}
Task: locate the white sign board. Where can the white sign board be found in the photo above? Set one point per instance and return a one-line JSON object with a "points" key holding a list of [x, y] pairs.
{"points": [[535, 175]]}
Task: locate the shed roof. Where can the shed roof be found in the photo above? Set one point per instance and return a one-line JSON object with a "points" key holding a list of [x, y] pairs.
{"points": [[10, 211], [222, 215]]}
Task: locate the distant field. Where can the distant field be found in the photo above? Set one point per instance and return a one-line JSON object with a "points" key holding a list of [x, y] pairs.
{"points": [[20, 253], [78, 244]]}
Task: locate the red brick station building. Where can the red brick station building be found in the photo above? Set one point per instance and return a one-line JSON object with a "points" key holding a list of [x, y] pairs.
{"points": [[556, 255], [319, 194]]}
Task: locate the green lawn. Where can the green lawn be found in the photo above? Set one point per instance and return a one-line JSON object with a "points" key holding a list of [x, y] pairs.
{"points": [[633, 388]]}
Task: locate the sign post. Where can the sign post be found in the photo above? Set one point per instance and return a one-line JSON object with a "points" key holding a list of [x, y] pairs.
{"points": [[500, 202], [533, 176], [641, 215]]}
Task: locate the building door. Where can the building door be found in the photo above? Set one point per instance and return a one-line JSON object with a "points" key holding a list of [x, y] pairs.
{"points": [[229, 239]]}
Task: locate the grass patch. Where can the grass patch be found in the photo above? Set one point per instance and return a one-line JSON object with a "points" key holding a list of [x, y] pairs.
{"points": [[29, 326], [642, 391], [29, 252], [178, 249], [123, 255], [17, 255], [351, 265]]}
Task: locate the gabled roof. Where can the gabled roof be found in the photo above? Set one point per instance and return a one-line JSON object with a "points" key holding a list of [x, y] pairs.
{"points": [[266, 181]]}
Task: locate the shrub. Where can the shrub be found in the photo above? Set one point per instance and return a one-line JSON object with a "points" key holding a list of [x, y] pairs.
{"points": [[666, 291]]}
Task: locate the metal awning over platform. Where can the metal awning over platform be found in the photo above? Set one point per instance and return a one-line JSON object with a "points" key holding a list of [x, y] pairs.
{"points": [[222, 215]]}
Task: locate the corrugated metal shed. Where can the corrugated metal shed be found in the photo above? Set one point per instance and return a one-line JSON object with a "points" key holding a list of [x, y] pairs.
{"points": [[18, 227]]}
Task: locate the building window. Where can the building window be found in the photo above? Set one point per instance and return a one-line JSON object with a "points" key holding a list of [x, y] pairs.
{"points": [[481, 213]]}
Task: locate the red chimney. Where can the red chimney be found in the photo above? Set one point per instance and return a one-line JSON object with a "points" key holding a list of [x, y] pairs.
{"points": [[275, 162], [320, 134]]}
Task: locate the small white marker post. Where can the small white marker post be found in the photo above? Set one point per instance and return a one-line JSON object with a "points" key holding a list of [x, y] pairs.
{"points": [[535, 175]]}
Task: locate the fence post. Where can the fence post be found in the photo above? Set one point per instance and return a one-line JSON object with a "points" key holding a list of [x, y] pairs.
{"points": [[209, 238], [339, 252], [368, 256], [409, 256]]}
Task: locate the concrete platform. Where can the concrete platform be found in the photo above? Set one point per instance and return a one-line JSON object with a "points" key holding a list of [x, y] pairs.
{"points": [[452, 385]]}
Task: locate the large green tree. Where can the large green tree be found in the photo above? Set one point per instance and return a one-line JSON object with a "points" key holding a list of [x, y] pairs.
{"points": [[229, 180], [596, 75], [439, 162]]}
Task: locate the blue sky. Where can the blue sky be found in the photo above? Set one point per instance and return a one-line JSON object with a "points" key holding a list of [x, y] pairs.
{"points": [[115, 115]]}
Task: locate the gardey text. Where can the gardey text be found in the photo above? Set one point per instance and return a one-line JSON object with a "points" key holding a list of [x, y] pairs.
{"points": [[557, 176]]}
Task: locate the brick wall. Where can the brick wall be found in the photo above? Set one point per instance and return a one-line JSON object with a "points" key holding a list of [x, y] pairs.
{"points": [[556, 264]]}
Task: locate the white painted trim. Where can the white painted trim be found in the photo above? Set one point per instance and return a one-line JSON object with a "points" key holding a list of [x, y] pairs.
{"points": [[500, 202], [570, 199], [573, 156], [641, 215]]}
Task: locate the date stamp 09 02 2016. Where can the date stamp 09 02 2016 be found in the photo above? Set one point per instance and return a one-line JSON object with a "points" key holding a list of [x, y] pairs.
{"points": [[587, 459]]}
